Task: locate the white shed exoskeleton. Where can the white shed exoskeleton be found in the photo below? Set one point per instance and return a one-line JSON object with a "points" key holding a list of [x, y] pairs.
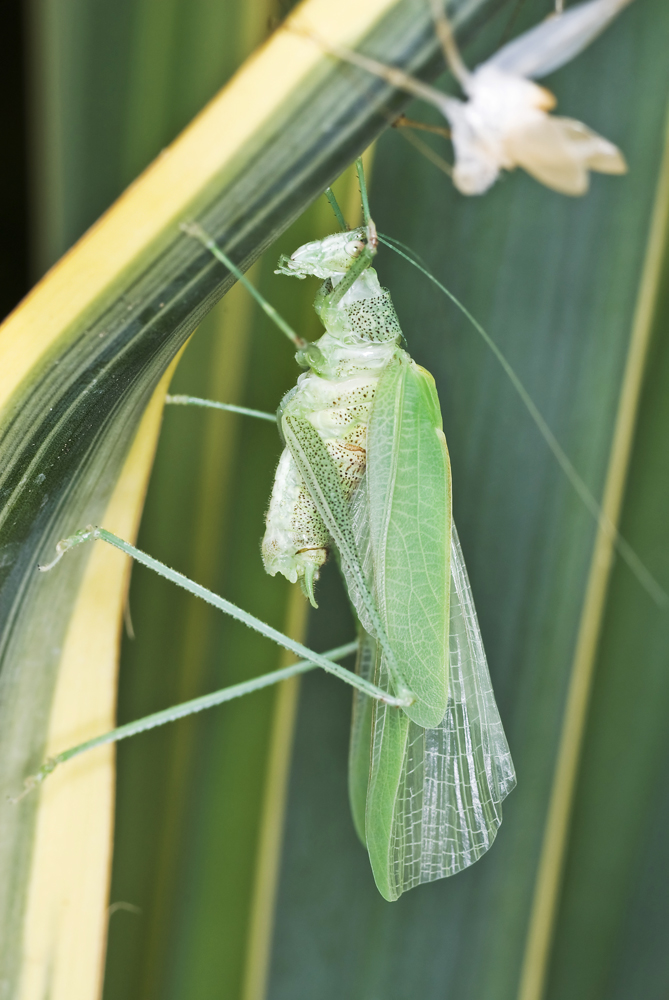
{"points": [[366, 471], [505, 123]]}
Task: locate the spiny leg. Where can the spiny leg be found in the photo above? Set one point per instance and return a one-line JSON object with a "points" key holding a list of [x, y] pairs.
{"points": [[197, 232], [334, 205], [180, 711], [213, 405], [220, 603], [308, 658]]}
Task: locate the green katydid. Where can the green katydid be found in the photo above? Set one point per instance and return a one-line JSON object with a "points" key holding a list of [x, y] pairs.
{"points": [[427, 776], [366, 472], [426, 801], [366, 465]]}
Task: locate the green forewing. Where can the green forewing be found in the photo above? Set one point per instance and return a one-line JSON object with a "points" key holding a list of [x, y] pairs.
{"points": [[409, 496], [434, 795]]}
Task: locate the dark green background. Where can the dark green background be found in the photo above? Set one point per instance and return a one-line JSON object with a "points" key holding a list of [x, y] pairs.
{"points": [[554, 281]]}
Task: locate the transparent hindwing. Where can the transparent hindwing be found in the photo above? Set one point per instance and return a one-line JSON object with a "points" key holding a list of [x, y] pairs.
{"points": [[433, 798]]}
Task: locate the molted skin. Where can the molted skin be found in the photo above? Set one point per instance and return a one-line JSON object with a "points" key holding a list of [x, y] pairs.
{"points": [[335, 395], [361, 382]]}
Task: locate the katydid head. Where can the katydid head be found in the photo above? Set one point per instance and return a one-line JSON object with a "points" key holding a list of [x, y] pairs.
{"points": [[329, 257]]}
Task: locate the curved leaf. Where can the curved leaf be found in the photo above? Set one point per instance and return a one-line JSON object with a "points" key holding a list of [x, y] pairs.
{"points": [[561, 285], [82, 356]]}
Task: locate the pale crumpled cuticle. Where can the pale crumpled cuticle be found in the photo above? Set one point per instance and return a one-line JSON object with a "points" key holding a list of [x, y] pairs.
{"points": [[505, 123]]}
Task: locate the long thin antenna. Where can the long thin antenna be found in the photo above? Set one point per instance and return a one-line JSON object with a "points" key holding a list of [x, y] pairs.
{"points": [[641, 572]]}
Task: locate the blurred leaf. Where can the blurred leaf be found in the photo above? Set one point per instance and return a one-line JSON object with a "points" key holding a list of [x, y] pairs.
{"points": [[13, 173], [560, 284], [81, 358], [557, 282]]}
